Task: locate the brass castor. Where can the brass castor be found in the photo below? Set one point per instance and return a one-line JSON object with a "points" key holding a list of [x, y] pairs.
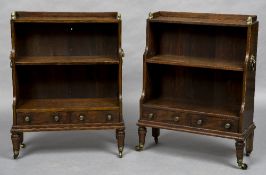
{"points": [[139, 147], [16, 153], [242, 165], [156, 140], [120, 154], [22, 145]]}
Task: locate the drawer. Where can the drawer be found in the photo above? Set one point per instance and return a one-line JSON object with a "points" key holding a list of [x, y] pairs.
{"points": [[214, 123], [42, 118], [164, 116], [95, 117]]}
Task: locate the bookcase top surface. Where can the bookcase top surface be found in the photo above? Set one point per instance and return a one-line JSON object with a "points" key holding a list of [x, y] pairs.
{"points": [[64, 17], [203, 18]]}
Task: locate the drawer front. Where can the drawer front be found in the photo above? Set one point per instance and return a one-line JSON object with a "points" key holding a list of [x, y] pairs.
{"points": [[165, 116], [214, 123], [42, 118], [94, 117]]}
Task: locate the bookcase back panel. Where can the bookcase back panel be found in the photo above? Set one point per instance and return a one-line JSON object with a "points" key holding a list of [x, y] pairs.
{"points": [[44, 82], [214, 42], [77, 39], [196, 85]]}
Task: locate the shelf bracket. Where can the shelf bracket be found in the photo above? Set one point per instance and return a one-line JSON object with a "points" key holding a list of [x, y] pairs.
{"points": [[13, 15], [249, 20], [252, 63], [150, 15], [12, 56], [121, 54]]}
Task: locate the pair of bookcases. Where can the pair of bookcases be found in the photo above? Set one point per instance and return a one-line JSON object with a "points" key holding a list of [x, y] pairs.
{"points": [[198, 75]]}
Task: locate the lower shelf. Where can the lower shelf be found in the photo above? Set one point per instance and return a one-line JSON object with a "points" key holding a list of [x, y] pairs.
{"points": [[172, 104], [73, 104]]}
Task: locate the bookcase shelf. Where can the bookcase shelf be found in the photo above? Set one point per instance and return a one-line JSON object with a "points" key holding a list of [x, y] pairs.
{"points": [[188, 61], [65, 60]]}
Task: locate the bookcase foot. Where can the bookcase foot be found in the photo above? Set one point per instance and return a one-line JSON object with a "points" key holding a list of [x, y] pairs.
{"points": [[249, 143], [16, 139], [239, 154], [156, 134], [120, 136], [142, 134]]}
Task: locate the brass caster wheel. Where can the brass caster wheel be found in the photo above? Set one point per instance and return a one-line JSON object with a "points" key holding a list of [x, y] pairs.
{"points": [[156, 140], [22, 145], [120, 155], [139, 147], [242, 165], [16, 153]]}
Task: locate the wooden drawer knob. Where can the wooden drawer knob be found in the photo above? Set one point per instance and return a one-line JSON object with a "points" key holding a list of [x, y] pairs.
{"points": [[176, 119], [56, 118], [227, 126], [81, 117], [151, 116], [27, 118], [199, 122], [109, 117]]}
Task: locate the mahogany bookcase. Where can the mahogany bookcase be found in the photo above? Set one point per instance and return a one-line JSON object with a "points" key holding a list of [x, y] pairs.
{"points": [[67, 73], [199, 76]]}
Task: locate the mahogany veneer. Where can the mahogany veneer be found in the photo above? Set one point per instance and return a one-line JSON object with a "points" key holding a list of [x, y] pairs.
{"points": [[67, 73], [199, 76]]}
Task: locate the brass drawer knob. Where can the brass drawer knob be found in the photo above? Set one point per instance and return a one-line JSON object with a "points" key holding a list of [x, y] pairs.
{"points": [[27, 118], [151, 116], [81, 117], [176, 119], [199, 122], [56, 118], [227, 126], [109, 117]]}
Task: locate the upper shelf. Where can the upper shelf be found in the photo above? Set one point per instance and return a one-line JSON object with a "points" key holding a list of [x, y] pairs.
{"points": [[65, 60], [65, 17], [196, 62], [203, 18]]}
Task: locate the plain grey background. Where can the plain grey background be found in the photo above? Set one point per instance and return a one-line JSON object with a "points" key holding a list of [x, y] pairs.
{"points": [[95, 152]]}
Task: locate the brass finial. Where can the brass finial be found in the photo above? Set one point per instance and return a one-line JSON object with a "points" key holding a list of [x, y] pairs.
{"points": [[249, 20], [118, 16], [13, 15], [150, 15]]}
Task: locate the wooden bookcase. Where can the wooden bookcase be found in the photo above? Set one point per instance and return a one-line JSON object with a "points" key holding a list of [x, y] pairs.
{"points": [[67, 73], [199, 76]]}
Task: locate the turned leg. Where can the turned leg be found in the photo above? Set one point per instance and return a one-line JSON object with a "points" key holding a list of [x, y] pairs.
{"points": [[142, 134], [239, 154], [21, 135], [16, 139], [249, 143], [120, 136], [155, 134]]}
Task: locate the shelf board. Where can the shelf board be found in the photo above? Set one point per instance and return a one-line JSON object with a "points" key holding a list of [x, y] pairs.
{"points": [[66, 17], [72, 104], [66, 20], [65, 60], [172, 104], [195, 62], [202, 18]]}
